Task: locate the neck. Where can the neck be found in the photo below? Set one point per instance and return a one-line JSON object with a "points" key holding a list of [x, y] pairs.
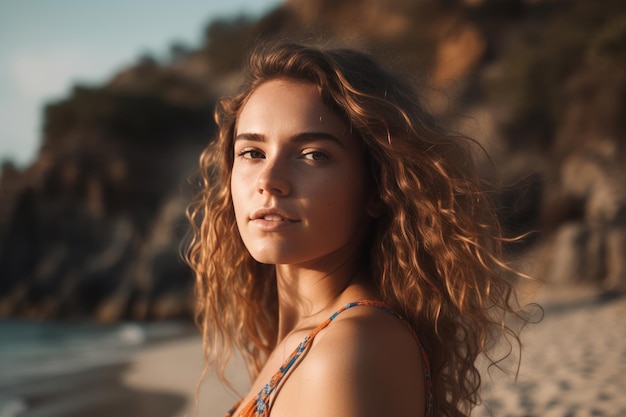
{"points": [[306, 296]]}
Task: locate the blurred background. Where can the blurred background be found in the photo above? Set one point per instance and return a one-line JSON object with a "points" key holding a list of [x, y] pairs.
{"points": [[105, 107]]}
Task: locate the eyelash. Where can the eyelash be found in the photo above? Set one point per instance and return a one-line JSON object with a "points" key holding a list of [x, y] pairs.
{"points": [[312, 154], [308, 155], [247, 153]]}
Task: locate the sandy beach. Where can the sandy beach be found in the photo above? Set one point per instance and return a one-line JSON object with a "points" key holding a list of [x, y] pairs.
{"points": [[573, 362], [175, 368], [573, 365]]}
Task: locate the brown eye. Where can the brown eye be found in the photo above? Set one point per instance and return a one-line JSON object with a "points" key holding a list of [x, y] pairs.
{"points": [[251, 154], [315, 156]]}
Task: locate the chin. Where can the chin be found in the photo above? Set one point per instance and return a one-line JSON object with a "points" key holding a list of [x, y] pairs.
{"points": [[274, 257], [265, 257]]}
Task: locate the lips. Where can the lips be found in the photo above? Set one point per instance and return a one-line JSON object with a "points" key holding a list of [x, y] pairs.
{"points": [[271, 219], [272, 215]]}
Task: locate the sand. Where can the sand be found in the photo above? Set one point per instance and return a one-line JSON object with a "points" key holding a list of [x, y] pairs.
{"points": [[175, 368], [574, 364]]}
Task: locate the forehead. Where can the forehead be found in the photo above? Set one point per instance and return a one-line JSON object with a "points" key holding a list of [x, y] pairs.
{"points": [[287, 104]]}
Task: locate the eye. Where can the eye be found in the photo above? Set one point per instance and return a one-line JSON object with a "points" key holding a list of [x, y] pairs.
{"points": [[315, 156], [251, 154]]}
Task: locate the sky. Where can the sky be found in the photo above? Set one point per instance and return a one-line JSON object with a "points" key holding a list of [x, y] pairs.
{"points": [[47, 46]]}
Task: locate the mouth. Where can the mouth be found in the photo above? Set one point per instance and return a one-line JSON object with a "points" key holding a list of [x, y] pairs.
{"points": [[272, 216]]}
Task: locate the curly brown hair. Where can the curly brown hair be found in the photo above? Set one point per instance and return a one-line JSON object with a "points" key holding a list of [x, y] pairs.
{"points": [[435, 251]]}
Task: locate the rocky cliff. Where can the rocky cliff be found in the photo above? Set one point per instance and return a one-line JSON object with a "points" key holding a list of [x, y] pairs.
{"points": [[93, 227]]}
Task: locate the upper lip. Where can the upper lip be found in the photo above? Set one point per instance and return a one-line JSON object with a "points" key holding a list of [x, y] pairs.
{"points": [[271, 211]]}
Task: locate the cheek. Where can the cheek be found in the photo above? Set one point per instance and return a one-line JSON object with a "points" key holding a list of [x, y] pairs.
{"points": [[345, 203]]}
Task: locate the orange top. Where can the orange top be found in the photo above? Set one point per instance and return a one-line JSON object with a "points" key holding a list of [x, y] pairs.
{"points": [[259, 406]]}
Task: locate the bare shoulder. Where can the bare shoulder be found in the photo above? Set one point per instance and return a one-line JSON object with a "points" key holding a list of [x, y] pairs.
{"points": [[365, 363]]}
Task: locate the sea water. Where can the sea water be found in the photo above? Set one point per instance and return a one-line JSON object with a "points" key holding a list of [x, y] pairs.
{"points": [[31, 350]]}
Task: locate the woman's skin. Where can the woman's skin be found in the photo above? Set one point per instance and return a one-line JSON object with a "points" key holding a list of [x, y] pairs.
{"points": [[303, 203]]}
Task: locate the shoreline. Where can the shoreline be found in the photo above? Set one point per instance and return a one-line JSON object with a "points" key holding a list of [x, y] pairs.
{"points": [[96, 392]]}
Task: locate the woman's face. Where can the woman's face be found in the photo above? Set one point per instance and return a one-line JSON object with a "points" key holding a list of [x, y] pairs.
{"points": [[298, 178]]}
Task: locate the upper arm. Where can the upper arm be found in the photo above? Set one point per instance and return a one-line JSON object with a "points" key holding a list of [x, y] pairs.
{"points": [[360, 367]]}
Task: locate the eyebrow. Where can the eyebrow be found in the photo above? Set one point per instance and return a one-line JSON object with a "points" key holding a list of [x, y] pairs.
{"points": [[300, 137]]}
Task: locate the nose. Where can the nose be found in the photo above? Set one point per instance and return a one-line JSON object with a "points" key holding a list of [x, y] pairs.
{"points": [[274, 178]]}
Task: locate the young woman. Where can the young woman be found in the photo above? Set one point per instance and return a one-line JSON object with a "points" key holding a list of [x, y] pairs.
{"points": [[343, 244]]}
